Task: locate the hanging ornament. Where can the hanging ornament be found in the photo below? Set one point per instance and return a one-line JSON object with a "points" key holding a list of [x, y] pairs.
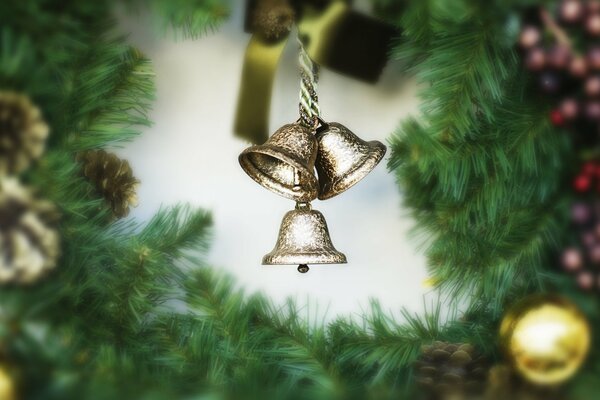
{"points": [[7, 385], [23, 133], [451, 371], [286, 165], [546, 339], [113, 179], [29, 242]]}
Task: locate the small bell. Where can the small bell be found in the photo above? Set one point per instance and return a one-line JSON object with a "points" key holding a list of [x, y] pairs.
{"points": [[343, 159], [285, 163], [304, 239]]}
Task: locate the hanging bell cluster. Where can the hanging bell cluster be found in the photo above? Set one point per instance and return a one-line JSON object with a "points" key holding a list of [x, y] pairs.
{"points": [[286, 165]]}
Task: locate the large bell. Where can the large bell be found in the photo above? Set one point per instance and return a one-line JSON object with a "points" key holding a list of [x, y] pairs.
{"points": [[343, 159], [285, 163], [304, 239]]}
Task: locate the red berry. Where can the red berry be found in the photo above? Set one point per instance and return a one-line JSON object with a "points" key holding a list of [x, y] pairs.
{"points": [[582, 183], [557, 118], [589, 168]]}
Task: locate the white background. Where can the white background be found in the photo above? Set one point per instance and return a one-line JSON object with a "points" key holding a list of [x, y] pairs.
{"points": [[190, 155]]}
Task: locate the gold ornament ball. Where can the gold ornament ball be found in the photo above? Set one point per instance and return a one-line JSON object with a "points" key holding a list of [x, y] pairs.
{"points": [[7, 385], [546, 338]]}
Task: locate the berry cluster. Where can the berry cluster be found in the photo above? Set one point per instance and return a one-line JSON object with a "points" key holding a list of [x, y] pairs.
{"points": [[570, 73], [583, 259], [588, 178]]}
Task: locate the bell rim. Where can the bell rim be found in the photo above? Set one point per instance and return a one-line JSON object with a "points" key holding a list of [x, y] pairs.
{"points": [[332, 189], [307, 195], [305, 258]]}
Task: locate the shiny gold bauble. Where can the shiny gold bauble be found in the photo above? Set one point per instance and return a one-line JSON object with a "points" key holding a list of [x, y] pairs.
{"points": [[7, 385], [546, 338]]}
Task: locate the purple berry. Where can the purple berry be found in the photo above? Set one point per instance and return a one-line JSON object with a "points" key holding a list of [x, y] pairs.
{"points": [[581, 213], [592, 110], [550, 82], [559, 57]]}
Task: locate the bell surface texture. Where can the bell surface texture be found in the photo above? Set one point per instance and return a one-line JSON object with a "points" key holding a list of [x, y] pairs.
{"points": [[304, 239], [343, 159], [285, 164]]}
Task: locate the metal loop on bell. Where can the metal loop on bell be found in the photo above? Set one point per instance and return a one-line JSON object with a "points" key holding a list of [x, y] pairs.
{"points": [[303, 206]]}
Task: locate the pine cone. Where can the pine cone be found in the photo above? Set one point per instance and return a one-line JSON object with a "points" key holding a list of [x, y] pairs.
{"points": [[23, 133], [29, 242], [113, 178], [273, 19], [503, 384], [451, 371]]}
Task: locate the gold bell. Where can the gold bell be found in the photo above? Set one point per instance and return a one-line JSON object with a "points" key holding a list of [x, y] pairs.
{"points": [[285, 163], [304, 239], [343, 159]]}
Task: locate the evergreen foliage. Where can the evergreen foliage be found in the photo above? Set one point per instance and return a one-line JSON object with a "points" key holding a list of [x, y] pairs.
{"points": [[132, 311], [482, 169]]}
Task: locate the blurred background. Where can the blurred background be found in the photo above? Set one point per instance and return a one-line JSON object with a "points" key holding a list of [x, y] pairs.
{"points": [[190, 155]]}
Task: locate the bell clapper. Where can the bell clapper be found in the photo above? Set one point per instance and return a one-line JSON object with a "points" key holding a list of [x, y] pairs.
{"points": [[303, 268], [297, 186]]}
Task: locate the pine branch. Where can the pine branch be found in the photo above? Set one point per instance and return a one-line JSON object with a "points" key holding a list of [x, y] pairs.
{"points": [[111, 96], [188, 18]]}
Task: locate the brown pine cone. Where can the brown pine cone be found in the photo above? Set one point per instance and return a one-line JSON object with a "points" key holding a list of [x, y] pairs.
{"points": [[23, 133], [273, 19], [113, 178], [451, 371], [29, 242]]}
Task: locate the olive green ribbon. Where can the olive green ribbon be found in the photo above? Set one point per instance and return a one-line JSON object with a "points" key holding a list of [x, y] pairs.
{"points": [[335, 37], [254, 102]]}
